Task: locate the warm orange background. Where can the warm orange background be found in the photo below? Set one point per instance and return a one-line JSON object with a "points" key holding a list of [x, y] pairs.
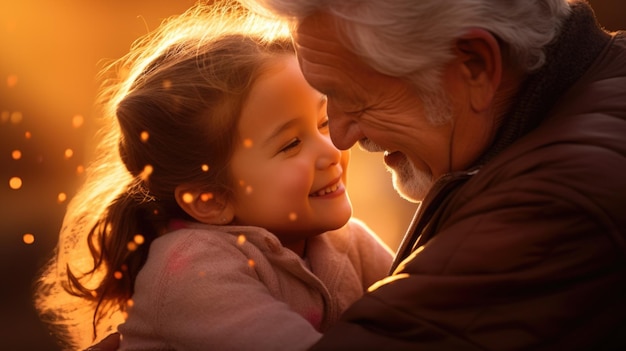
{"points": [[50, 52]]}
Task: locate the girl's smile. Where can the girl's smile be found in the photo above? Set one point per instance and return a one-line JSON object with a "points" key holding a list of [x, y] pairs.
{"points": [[335, 189]]}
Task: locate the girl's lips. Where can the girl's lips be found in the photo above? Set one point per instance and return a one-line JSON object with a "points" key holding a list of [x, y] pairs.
{"points": [[335, 188], [338, 191]]}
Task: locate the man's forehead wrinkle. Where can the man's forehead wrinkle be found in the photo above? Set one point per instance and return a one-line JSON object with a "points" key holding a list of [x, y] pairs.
{"points": [[318, 25], [318, 53], [319, 56], [317, 19], [318, 37], [323, 50], [313, 41]]}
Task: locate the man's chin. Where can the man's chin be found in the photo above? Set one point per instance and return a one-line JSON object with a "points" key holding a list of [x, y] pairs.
{"points": [[410, 183], [408, 193]]}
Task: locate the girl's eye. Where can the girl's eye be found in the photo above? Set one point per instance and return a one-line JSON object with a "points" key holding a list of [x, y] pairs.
{"points": [[323, 127], [292, 144]]}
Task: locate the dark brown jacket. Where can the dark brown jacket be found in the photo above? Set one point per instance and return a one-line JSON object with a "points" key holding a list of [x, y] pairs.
{"points": [[526, 250]]}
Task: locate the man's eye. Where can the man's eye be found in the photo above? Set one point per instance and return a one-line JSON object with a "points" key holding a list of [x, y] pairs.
{"points": [[356, 113], [293, 144]]}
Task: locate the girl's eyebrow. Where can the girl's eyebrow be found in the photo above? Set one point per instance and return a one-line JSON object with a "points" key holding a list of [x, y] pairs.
{"points": [[323, 100], [281, 128]]}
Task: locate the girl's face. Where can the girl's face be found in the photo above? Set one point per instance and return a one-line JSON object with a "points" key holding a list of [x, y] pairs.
{"points": [[290, 176]]}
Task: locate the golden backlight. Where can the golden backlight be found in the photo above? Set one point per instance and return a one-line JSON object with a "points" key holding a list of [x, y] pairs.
{"points": [[50, 56]]}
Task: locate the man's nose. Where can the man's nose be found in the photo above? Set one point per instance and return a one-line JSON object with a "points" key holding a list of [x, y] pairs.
{"points": [[344, 130]]}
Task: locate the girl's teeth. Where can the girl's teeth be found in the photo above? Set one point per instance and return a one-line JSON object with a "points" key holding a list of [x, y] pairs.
{"points": [[328, 190]]}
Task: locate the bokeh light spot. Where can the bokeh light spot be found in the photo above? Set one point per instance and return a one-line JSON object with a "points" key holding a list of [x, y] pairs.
{"points": [[167, 84], [28, 135], [293, 216], [144, 136], [16, 117], [61, 198], [131, 246], [187, 198], [28, 238], [117, 275], [206, 196], [147, 171], [241, 239], [15, 183], [77, 121], [205, 168], [251, 263], [80, 169], [130, 303], [16, 154], [68, 153], [248, 190], [11, 80], [247, 142], [139, 239]]}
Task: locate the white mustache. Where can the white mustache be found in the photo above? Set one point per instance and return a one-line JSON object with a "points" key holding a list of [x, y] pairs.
{"points": [[370, 146]]}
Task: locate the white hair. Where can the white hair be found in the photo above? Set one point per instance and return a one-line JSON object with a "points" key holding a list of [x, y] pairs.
{"points": [[413, 38]]}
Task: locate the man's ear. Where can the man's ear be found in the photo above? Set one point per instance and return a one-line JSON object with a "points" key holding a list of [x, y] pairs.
{"points": [[479, 53], [205, 207]]}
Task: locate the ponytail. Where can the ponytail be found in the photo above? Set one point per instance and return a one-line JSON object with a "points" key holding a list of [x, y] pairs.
{"points": [[118, 243]]}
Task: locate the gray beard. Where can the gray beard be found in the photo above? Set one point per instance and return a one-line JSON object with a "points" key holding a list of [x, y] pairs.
{"points": [[411, 183]]}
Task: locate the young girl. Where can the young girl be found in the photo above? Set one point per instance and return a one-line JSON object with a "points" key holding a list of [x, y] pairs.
{"points": [[220, 220]]}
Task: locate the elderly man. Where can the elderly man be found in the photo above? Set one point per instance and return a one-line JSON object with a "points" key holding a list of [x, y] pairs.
{"points": [[506, 119]]}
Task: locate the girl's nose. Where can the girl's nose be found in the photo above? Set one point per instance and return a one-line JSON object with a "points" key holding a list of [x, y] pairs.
{"points": [[328, 155]]}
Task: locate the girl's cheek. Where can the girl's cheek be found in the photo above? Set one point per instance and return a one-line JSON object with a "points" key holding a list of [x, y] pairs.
{"points": [[297, 179]]}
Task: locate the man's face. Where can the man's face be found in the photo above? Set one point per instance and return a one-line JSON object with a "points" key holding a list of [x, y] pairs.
{"points": [[381, 112]]}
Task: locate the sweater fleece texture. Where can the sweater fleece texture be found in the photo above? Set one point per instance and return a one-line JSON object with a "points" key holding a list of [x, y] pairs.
{"points": [[237, 288]]}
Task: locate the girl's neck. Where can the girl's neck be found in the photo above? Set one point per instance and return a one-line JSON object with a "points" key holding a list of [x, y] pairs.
{"points": [[299, 247]]}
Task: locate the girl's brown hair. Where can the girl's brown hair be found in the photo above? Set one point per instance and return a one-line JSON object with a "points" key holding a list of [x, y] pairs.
{"points": [[176, 110]]}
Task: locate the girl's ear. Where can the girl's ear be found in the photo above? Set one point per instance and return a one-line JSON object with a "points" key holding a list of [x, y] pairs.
{"points": [[205, 207]]}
